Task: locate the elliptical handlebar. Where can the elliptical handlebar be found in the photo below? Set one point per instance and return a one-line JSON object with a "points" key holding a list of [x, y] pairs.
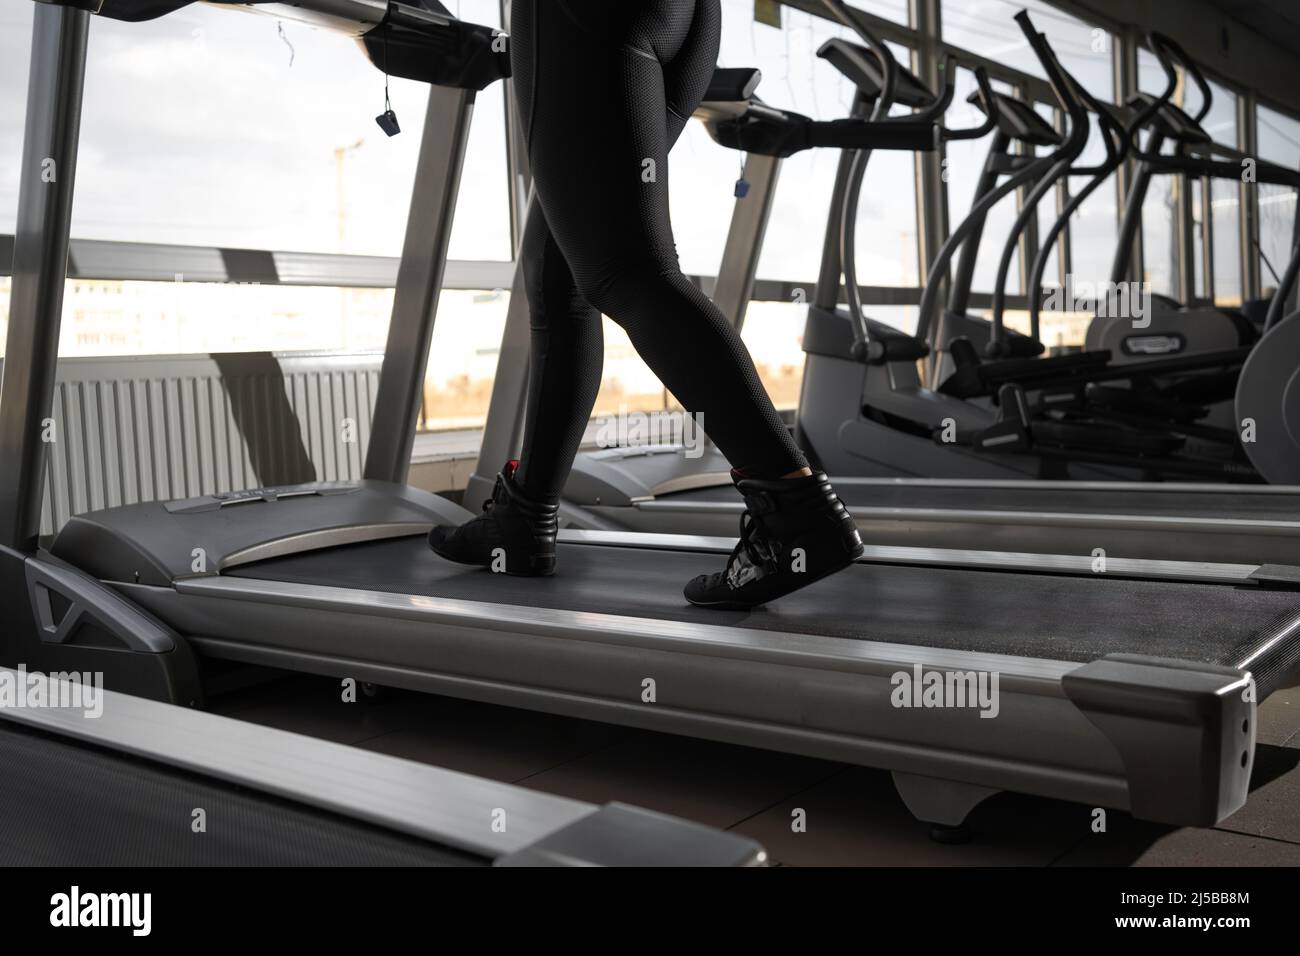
{"points": [[864, 348], [1063, 84], [1118, 145], [1167, 49], [1070, 96], [989, 100], [851, 18], [1145, 116], [934, 112]]}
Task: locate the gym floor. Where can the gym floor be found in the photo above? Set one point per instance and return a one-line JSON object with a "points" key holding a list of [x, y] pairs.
{"points": [[854, 817]]}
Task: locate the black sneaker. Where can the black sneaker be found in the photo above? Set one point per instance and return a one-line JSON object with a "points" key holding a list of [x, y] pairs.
{"points": [[515, 534], [794, 531]]}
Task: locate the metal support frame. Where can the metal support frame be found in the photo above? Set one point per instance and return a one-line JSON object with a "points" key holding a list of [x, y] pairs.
{"points": [[1125, 65], [1207, 238], [926, 17], [1248, 143], [47, 178], [744, 247], [1028, 240], [504, 429], [419, 282], [1185, 226], [1064, 246]]}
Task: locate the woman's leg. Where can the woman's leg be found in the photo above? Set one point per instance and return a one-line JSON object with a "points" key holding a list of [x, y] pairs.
{"points": [[566, 355], [605, 89]]}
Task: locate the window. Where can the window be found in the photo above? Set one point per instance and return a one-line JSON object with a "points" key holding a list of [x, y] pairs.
{"points": [[207, 127]]}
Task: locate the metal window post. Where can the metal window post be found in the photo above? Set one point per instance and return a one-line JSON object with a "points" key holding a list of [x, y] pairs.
{"points": [[1125, 62], [503, 431], [1065, 244], [1207, 238], [1185, 226], [419, 282], [46, 182], [926, 19], [1248, 210]]}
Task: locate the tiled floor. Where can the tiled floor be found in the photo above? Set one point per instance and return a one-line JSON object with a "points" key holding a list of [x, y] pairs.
{"points": [[850, 816]]}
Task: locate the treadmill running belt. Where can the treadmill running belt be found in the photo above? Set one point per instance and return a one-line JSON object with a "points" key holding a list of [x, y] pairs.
{"points": [[1047, 616]]}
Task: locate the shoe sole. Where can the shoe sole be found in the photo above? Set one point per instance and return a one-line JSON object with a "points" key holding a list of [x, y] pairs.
{"points": [[740, 606]]}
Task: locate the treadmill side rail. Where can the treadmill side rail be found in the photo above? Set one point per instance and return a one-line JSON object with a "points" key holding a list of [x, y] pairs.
{"points": [[417, 801], [1185, 731], [622, 835]]}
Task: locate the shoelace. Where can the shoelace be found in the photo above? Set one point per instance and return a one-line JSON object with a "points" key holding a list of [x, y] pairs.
{"points": [[753, 544], [496, 490]]}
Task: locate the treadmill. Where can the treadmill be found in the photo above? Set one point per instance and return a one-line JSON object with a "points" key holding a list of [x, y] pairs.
{"points": [[658, 488], [1134, 686], [109, 791]]}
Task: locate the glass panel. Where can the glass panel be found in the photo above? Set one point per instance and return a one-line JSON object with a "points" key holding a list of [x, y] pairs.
{"points": [[208, 127], [1225, 207], [988, 27], [895, 10], [1160, 237], [1225, 202], [773, 333], [463, 358], [128, 317], [15, 57], [1279, 142], [103, 317]]}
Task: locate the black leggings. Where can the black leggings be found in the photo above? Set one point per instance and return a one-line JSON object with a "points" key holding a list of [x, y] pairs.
{"points": [[605, 87]]}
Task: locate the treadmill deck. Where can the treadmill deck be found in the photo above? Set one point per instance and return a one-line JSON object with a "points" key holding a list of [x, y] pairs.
{"points": [[1042, 616]]}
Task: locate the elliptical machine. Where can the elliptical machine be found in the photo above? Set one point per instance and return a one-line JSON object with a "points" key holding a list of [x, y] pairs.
{"points": [[1184, 397], [895, 425]]}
